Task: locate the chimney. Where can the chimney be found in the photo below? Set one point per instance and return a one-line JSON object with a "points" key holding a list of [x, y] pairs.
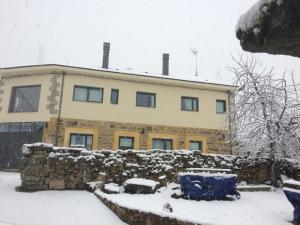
{"points": [[106, 47], [165, 66]]}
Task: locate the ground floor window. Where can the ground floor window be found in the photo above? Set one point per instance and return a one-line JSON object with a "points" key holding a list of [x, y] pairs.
{"points": [[126, 143], [195, 145], [81, 140], [164, 144]]}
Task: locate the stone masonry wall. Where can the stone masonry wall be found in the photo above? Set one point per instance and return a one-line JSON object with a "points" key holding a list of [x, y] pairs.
{"points": [[46, 167], [215, 138]]}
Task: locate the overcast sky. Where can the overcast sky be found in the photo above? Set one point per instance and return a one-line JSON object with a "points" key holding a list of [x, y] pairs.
{"points": [[71, 32]]}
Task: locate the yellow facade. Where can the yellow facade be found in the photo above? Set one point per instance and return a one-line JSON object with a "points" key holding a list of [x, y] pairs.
{"points": [[167, 111], [168, 97]]}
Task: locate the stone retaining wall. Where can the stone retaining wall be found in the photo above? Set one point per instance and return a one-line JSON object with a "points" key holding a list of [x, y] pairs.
{"points": [[137, 217], [46, 167]]}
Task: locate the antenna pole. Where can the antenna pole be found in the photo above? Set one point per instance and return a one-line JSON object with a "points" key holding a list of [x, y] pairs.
{"points": [[196, 74]]}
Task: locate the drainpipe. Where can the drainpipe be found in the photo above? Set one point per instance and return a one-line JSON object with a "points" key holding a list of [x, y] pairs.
{"points": [[59, 107], [230, 120]]}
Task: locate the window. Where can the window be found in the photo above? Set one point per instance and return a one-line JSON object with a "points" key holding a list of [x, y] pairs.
{"points": [[114, 97], [189, 103], [88, 94], [126, 143], [27, 127], [25, 99], [81, 140], [164, 144], [195, 145], [145, 99], [4, 127], [221, 106]]}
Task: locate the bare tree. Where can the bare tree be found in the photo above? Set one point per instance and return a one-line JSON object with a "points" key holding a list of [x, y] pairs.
{"points": [[266, 111]]}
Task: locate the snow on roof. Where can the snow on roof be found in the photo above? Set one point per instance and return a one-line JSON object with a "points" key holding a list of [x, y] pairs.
{"points": [[123, 71], [250, 19]]}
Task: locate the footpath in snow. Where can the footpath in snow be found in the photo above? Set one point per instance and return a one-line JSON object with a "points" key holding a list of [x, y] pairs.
{"points": [[50, 207]]}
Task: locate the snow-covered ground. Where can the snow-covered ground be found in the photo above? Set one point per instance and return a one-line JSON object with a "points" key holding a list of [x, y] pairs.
{"points": [[254, 208], [50, 207]]}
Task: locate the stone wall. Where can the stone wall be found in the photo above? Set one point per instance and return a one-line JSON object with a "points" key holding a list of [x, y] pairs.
{"points": [[137, 217], [213, 140], [46, 167]]}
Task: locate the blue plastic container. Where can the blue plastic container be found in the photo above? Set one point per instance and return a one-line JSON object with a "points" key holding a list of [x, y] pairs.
{"points": [[208, 186], [294, 197]]}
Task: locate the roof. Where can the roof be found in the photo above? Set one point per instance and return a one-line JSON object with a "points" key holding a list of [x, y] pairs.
{"points": [[111, 74]]}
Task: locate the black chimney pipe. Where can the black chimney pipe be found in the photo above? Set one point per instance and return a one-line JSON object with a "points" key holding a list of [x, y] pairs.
{"points": [[165, 67], [106, 48]]}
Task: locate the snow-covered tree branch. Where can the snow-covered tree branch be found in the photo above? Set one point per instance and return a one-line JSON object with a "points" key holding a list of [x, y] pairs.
{"points": [[267, 110]]}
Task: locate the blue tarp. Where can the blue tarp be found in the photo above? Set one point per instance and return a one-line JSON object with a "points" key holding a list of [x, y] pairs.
{"points": [[212, 187], [294, 198]]}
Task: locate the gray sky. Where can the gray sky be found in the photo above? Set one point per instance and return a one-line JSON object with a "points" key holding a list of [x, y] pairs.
{"points": [[71, 32]]}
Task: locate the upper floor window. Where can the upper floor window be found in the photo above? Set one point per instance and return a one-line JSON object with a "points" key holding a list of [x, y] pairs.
{"points": [[189, 103], [25, 99], [126, 143], [88, 94], [114, 97], [81, 140], [221, 106], [145, 99], [164, 144]]}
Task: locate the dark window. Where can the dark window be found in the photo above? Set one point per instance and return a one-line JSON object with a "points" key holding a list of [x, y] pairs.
{"points": [[81, 141], [15, 127], [28, 127], [114, 98], [164, 144], [221, 106], [189, 103], [126, 143], [25, 99], [195, 145], [4, 127], [145, 99], [88, 94]]}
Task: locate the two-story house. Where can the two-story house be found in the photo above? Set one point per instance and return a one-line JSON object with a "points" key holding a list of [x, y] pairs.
{"points": [[103, 109]]}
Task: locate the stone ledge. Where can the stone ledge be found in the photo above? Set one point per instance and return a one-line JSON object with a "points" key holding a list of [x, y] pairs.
{"points": [[277, 30], [137, 217]]}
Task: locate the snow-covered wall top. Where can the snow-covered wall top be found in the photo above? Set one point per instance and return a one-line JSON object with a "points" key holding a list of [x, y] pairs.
{"points": [[47, 167]]}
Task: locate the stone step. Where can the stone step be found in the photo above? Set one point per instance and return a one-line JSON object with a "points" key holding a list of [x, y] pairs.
{"points": [[254, 188]]}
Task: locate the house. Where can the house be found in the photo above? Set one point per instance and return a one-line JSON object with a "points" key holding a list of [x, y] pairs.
{"points": [[105, 109]]}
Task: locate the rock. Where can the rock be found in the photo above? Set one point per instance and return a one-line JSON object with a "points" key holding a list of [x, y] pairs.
{"points": [[140, 186], [277, 31], [57, 184]]}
